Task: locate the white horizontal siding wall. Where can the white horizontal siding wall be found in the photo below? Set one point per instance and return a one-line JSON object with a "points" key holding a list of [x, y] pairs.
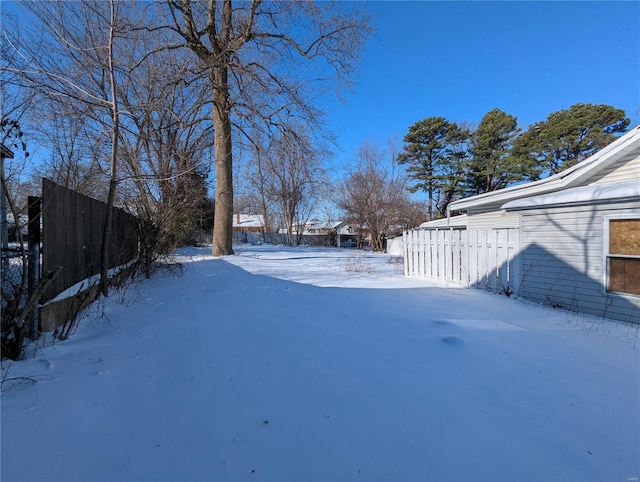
{"points": [[625, 170], [562, 260], [496, 219]]}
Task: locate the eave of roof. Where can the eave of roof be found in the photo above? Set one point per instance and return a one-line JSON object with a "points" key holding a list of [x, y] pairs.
{"points": [[596, 193], [451, 222]]}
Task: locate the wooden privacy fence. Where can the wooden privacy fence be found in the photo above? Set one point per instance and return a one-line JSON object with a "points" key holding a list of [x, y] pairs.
{"points": [[474, 258], [72, 228]]}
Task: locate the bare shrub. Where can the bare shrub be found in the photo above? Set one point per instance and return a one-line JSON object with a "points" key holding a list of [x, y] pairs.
{"points": [[356, 263]]}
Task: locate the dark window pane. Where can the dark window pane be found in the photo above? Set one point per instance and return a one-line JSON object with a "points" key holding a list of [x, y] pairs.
{"points": [[624, 275]]}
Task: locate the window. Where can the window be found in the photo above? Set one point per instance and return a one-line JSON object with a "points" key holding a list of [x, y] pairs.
{"points": [[623, 255]]}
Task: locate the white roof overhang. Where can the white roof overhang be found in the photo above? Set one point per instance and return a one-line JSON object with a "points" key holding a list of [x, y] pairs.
{"points": [[596, 193], [451, 222]]}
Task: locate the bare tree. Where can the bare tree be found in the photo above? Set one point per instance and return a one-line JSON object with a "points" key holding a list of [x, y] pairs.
{"points": [[75, 60], [410, 215], [165, 148], [252, 52], [14, 277], [257, 185], [103, 94], [74, 157], [14, 102], [293, 177], [373, 197]]}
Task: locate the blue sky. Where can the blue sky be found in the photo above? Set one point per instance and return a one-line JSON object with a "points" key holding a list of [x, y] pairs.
{"points": [[461, 59]]}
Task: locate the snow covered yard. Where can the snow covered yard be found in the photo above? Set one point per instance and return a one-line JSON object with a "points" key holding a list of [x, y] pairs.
{"points": [[324, 364]]}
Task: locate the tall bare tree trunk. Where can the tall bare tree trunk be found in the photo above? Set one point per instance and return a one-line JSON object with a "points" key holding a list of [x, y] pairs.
{"points": [[106, 234], [217, 33], [223, 219]]}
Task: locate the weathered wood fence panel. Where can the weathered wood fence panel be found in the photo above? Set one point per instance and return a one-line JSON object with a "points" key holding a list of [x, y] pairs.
{"points": [[474, 258], [72, 228]]}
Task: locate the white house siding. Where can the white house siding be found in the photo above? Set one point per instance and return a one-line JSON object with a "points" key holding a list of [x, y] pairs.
{"points": [[627, 168], [495, 219], [562, 259]]}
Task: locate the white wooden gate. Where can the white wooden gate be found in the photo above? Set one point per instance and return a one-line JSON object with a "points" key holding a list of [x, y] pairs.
{"points": [[486, 258]]}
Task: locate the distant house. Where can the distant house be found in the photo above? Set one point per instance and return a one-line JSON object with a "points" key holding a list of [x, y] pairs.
{"points": [[252, 223], [346, 234], [571, 240], [315, 227], [321, 233], [312, 227]]}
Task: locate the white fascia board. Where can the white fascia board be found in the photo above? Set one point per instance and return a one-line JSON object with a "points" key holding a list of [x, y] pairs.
{"points": [[615, 191], [453, 221]]}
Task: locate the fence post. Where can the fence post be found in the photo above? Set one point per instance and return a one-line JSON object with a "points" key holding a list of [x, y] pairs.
{"points": [[34, 260], [405, 247]]}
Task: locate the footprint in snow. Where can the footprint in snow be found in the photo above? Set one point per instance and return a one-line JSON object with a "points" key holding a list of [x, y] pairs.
{"points": [[453, 340], [46, 364]]}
